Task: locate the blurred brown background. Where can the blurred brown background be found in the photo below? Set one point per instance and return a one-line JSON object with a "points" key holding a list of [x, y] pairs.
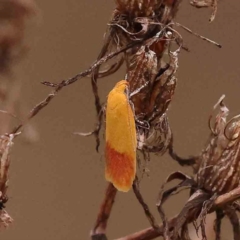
{"points": [[57, 183]]}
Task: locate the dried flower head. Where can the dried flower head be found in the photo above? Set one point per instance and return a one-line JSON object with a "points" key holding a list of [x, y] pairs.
{"points": [[217, 173], [152, 86], [145, 30], [219, 169]]}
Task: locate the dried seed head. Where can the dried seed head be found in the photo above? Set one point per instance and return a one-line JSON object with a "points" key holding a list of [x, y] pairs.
{"points": [[139, 7], [151, 91], [152, 85], [157, 137], [143, 26], [135, 20], [219, 163], [141, 76]]}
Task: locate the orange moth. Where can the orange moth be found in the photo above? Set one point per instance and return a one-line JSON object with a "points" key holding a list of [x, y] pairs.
{"points": [[121, 142]]}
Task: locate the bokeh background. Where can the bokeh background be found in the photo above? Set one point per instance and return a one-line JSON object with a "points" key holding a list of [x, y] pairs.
{"points": [[57, 183]]}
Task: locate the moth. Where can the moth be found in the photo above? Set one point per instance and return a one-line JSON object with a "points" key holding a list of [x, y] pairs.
{"points": [[121, 142]]}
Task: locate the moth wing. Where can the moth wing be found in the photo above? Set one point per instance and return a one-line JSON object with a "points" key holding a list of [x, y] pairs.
{"points": [[120, 142]]}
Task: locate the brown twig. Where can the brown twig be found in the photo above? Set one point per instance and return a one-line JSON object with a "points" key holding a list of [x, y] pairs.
{"points": [[218, 223], [233, 217], [150, 233], [145, 207], [227, 197], [99, 230], [191, 161], [85, 73], [198, 35]]}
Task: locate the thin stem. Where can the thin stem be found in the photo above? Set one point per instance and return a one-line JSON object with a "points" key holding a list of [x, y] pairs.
{"points": [[99, 230], [145, 207]]}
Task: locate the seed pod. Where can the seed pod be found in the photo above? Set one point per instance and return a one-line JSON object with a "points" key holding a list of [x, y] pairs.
{"points": [[219, 163]]}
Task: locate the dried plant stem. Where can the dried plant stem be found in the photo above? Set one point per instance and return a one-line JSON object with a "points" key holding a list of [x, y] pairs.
{"points": [[85, 73], [146, 209], [151, 233], [99, 229], [233, 217], [39, 107], [227, 197], [198, 35], [214, 11], [191, 161]]}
